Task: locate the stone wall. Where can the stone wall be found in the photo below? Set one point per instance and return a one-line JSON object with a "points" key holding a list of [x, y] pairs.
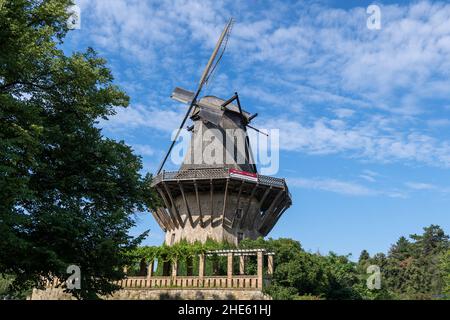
{"points": [[160, 294]]}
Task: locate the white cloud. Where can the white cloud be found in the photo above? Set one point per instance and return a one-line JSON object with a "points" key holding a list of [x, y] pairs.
{"points": [[426, 186], [438, 123], [333, 50], [331, 185], [367, 177], [140, 116], [143, 149], [326, 48], [343, 112], [342, 187], [420, 186], [367, 141], [373, 84]]}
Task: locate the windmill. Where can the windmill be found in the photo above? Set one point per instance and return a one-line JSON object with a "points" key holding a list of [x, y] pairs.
{"points": [[221, 196]]}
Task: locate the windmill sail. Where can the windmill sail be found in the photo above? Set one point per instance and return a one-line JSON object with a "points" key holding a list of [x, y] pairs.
{"points": [[183, 93], [208, 69]]}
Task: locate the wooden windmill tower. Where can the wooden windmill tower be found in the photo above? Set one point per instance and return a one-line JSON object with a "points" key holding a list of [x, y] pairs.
{"points": [[221, 197]]}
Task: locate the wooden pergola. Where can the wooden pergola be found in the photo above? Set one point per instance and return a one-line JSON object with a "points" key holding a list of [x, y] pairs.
{"points": [[239, 281], [231, 280]]}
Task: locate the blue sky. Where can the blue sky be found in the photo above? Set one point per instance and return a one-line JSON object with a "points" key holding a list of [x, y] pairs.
{"points": [[364, 115]]}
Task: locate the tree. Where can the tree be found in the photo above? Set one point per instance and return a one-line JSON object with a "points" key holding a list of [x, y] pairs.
{"points": [[412, 269], [305, 272], [401, 250], [431, 241], [342, 276], [303, 275], [68, 193], [364, 256], [445, 271], [416, 268]]}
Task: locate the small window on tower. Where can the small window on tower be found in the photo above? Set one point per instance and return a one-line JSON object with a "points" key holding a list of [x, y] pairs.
{"points": [[240, 237], [172, 239], [238, 213]]}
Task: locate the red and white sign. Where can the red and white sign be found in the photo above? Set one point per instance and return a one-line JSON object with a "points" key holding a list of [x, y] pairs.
{"points": [[243, 175]]}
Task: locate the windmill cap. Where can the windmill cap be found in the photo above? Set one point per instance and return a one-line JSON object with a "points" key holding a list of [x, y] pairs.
{"points": [[216, 103]]}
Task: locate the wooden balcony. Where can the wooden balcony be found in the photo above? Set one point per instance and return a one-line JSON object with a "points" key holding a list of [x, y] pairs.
{"points": [[239, 281], [192, 282], [207, 174]]}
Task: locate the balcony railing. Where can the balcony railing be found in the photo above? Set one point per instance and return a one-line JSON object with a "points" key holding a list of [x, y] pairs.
{"points": [[206, 174], [200, 281], [187, 282]]}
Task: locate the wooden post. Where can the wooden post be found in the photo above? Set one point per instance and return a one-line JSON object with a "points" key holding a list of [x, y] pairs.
{"points": [[189, 266], [245, 217], [198, 204], [174, 268], [229, 269], [225, 202], [143, 267], [188, 210], [177, 213], [212, 201], [201, 266], [169, 208], [215, 266], [270, 265], [242, 265], [260, 269], [150, 269]]}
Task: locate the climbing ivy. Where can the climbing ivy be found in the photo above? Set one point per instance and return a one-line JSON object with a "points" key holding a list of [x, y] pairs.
{"points": [[179, 251]]}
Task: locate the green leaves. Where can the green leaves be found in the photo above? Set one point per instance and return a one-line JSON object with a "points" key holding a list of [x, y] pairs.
{"points": [[418, 268], [28, 30], [444, 268], [413, 268], [178, 251], [68, 194]]}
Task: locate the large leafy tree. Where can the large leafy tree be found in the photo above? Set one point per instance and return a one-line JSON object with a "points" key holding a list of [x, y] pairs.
{"points": [[445, 271], [68, 194]]}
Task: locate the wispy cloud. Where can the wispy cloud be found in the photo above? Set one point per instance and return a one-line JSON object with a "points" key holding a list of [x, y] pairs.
{"points": [[348, 188], [343, 112], [143, 149], [429, 187], [367, 177], [331, 185], [420, 186], [140, 116], [365, 140], [356, 92], [438, 123]]}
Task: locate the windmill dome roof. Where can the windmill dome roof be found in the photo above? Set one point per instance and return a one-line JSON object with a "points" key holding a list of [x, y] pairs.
{"points": [[214, 102]]}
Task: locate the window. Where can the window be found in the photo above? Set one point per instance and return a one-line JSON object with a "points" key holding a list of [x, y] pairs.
{"points": [[238, 213], [172, 240], [240, 237]]}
